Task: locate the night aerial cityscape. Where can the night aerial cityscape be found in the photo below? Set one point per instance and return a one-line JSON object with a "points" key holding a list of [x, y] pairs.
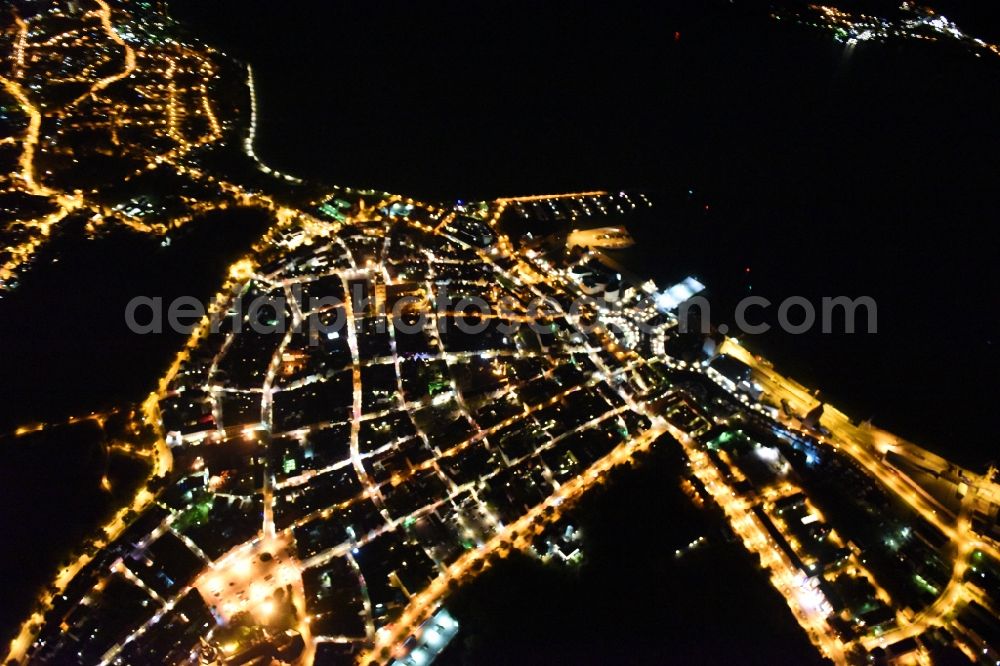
{"points": [[488, 333]]}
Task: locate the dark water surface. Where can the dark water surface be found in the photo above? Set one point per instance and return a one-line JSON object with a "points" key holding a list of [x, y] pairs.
{"points": [[828, 171]]}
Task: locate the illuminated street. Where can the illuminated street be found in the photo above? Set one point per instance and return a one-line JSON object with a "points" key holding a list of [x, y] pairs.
{"points": [[386, 396]]}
